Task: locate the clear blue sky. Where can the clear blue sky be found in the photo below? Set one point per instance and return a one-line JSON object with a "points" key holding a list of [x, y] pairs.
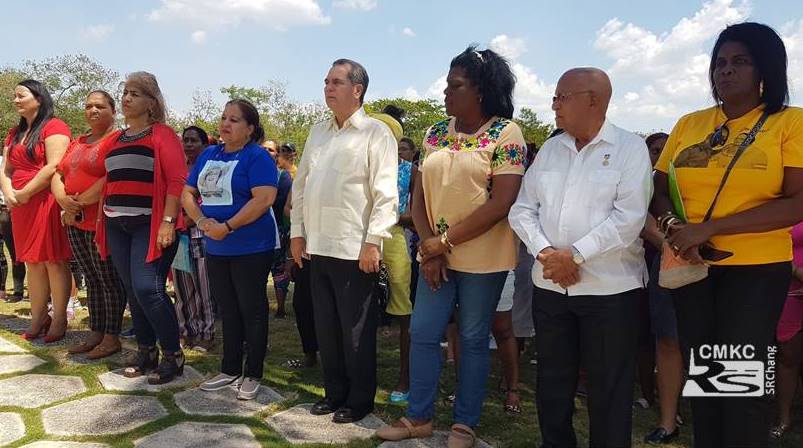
{"points": [[654, 50]]}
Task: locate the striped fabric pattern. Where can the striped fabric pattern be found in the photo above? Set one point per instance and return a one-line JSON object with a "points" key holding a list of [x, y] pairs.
{"points": [[129, 188]]}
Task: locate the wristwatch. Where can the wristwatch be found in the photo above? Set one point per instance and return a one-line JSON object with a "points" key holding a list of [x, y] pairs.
{"points": [[577, 257], [169, 219]]}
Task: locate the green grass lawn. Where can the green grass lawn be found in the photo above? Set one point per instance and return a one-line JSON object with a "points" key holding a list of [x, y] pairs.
{"points": [[304, 386]]}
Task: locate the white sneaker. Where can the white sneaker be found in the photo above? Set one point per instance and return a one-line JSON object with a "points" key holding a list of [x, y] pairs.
{"points": [[249, 389], [219, 382]]}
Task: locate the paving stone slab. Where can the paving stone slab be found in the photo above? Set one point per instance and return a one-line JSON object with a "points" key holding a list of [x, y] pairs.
{"points": [[102, 414], [11, 427], [62, 444], [115, 380], [438, 440], [8, 347], [200, 435], [19, 363], [225, 402], [34, 390], [298, 426]]}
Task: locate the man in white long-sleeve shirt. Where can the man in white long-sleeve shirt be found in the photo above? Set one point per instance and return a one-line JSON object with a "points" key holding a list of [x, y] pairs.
{"points": [[580, 210], [344, 203]]}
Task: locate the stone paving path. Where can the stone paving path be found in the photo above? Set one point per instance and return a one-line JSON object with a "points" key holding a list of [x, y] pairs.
{"points": [[129, 404]]}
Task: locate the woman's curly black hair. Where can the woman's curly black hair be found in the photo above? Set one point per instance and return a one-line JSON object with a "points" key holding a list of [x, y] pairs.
{"points": [[492, 76]]}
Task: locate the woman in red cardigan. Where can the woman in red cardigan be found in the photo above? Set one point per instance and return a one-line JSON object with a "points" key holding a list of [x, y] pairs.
{"points": [[145, 173]]}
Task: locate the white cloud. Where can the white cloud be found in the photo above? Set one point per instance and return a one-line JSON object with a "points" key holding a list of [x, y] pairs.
{"points": [[278, 14], [410, 93], [198, 37], [792, 36], [664, 75], [97, 32], [509, 47], [408, 32], [360, 5]]}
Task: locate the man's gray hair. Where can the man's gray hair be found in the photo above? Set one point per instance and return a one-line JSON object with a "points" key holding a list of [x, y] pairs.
{"points": [[357, 74]]}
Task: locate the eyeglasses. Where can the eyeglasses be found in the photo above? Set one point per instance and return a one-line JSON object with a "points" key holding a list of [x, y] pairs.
{"points": [[720, 136], [561, 97]]}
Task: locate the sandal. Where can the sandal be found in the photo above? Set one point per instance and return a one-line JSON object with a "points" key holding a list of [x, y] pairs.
{"points": [[172, 365], [147, 360], [407, 431], [83, 347], [512, 407], [103, 351], [461, 436], [778, 431]]}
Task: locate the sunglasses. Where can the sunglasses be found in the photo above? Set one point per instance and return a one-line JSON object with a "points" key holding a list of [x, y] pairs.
{"points": [[720, 136]]}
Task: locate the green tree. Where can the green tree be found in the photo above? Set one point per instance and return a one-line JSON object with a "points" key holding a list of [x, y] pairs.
{"points": [[534, 130], [9, 78], [418, 117], [69, 79]]}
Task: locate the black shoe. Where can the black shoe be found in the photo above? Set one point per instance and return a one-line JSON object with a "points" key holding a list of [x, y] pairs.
{"points": [[13, 298], [323, 407], [172, 365], [659, 436], [348, 415], [146, 361]]}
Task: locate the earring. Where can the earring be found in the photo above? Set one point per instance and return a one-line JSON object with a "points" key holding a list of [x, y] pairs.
{"points": [[761, 88]]}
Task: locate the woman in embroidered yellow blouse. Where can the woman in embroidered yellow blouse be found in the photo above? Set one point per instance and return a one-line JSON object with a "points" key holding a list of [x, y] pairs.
{"points": [[471, 170]]}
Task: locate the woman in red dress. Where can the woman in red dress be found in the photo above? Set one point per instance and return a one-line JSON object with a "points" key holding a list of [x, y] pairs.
{"points": [[31, 153]]}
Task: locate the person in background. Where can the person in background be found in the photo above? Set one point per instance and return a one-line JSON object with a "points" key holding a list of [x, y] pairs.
{"points": [[32, 151], [236, 184], [738, 225], [790, 342], [194, 303], [17, 268], [397, 259], [663, 325], [302, 306], [77, 186], [271, 146], [145, 172], [281, 278], [470, 174], [344, 203]]}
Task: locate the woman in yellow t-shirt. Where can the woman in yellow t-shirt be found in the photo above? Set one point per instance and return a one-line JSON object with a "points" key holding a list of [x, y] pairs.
{"points": [[471, 170], [740, 300]]}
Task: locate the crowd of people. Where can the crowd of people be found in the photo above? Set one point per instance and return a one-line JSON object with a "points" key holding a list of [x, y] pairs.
{"points": [[631, 256]]}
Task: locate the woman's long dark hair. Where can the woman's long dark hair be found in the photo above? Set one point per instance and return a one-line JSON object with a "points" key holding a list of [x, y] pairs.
{"points": [[769, 58], [44, 114]]}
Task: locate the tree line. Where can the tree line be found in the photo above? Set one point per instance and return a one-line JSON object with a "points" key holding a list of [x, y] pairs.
{"points": [[70, 78]]}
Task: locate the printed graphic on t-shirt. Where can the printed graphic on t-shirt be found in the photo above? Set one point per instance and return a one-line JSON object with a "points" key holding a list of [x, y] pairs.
{"points": [[214, 182], [703, 155]]}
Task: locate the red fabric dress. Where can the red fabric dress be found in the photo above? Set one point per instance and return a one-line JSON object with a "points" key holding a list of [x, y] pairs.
{"points": [[38, 233]]}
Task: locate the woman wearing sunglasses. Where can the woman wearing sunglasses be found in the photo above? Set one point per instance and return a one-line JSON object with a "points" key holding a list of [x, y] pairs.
{"points": [[728, 186]]}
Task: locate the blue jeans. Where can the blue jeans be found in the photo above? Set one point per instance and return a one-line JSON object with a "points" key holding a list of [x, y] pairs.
{"points": [[476, 297], [152, 312]]}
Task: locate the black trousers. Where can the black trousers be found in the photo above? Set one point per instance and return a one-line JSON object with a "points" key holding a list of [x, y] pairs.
{"points": [[733, 305], [239, 286], [17, 269], [302, 305], [598, 333], [346, 318]]}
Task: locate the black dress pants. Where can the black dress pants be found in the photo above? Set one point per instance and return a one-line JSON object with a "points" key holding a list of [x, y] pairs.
{"points": [[346, 318], [302, 305], [733, 305], [598, 333]]}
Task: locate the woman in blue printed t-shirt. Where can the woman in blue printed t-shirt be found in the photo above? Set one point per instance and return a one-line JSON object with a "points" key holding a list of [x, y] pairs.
{"points": [[236, 183]]}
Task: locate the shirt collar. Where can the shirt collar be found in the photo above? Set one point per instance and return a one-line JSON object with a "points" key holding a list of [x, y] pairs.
{"points": [[606, 133], [357, 119]]}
